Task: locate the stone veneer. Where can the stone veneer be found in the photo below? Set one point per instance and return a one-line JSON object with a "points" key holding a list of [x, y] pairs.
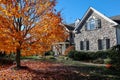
{"points": [[107, 30]]}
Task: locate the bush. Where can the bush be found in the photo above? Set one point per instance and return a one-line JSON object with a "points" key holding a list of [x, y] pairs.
{"points": [[114, 55], [6, 61], [98, 54], [81, 56], [76, 55], [71, 54], [49, 53], [2, 54], [110, 56]]}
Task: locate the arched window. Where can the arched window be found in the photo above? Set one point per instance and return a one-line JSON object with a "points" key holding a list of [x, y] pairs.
{"points": [[93, 24]]}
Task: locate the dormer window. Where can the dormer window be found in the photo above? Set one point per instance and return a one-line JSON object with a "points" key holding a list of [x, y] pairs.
{"points": [[92, 24]]}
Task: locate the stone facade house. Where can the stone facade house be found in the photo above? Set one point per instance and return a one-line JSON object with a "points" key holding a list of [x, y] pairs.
{"points": [[96, 31]]}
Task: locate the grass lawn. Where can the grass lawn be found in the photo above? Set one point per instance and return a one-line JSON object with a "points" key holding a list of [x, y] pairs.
{"points": [[50, 68]]}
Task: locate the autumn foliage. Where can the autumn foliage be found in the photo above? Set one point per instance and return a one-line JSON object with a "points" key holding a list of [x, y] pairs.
{"points": [[29, 27], [70, 48], [39, 71]]}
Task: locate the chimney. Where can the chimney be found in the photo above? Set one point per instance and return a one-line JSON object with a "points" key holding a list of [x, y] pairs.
{"points": [[77, 22]]}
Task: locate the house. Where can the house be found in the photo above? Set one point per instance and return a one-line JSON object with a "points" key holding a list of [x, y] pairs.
{"points": [[59, 48], [96, 31]]}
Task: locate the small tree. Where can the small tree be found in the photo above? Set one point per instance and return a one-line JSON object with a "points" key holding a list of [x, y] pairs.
{"points": [[29, 27]]}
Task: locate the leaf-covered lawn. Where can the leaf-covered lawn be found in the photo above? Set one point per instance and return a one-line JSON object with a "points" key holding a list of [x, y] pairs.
{"points": [[37, 70]]}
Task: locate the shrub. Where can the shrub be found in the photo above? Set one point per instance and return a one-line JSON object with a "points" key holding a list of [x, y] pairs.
{"points": [[71, 54], [110, 56], [76, 55], [81, 56], [6, 61], [92, 55], [2, 54], [98, 54], [49, 53], [114, 55]]}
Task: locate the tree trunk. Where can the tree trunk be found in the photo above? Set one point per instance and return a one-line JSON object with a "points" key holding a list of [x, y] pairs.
{"points": [[18, 58]]}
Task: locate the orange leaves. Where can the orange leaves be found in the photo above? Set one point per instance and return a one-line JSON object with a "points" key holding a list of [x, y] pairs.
{"points": [[33, 72], [15, 75], [10, 8], [70, 48], [31, 26], [37, 70], [15, 11]]}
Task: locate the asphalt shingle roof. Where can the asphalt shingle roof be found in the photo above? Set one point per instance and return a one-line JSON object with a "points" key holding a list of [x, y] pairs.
{"points": [[70, 26], [116, 18]]}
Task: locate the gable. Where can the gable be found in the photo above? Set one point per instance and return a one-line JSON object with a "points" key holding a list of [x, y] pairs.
{"points": [[91, 12]]}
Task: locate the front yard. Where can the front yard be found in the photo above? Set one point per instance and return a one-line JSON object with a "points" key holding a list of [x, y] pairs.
{"points": [[57, 69]]}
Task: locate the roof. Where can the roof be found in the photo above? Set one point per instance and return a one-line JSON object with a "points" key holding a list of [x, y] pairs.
{"points": [[72, 24], [70, 27], [89, 11], [116, 18]]}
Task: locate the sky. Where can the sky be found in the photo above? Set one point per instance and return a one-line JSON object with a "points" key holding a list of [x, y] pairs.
{"points": [[72, 10]]}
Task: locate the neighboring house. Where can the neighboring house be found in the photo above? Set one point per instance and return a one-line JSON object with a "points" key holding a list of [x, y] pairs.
{"points": [[59, 48], [96, 32]]}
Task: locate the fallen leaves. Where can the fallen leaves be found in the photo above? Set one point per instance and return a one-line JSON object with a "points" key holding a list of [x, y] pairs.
{"points": [[37, 70]]}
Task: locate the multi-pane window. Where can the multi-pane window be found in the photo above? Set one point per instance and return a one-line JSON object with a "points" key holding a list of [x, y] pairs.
{"points": [[103, 44], [84, 45], [93, 24]]}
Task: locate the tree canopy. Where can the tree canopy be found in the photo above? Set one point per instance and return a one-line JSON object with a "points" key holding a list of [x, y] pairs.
{"points": [[29, 26]]}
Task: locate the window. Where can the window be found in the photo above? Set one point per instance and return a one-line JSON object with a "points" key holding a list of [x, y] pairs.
{"points": [[93, 24], [103, 44], [84, 45], [107, 43], [100, 45], [87, 45], [81, 45]]}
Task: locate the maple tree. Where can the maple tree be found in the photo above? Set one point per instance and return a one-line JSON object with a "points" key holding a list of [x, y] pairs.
{"points": [[29, 27]]}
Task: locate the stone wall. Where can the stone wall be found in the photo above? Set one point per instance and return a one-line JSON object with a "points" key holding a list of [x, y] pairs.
{"points": [[106, 31]]}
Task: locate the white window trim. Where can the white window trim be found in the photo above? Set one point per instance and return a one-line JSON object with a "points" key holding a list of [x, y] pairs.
{"points": [[88, 21]]}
